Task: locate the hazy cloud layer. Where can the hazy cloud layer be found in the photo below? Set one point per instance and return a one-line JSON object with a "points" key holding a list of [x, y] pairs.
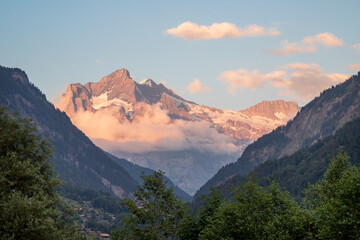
{"points": [[153, 130], [193, 31], [354, 67], [308, 44], [300, 81], [197, 87]]}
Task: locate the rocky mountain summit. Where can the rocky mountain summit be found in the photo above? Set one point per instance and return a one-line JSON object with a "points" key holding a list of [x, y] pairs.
{"points": [[154, 127]]}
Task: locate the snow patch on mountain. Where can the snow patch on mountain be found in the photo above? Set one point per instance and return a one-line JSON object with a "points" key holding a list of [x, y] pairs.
{"points": [[102, 101]]}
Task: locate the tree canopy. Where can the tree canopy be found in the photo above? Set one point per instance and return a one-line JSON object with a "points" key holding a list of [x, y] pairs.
{"points": [[155, 213], [30, 206]]}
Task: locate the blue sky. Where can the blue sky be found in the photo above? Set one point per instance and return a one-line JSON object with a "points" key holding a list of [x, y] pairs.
{"points": [[63, 42]]}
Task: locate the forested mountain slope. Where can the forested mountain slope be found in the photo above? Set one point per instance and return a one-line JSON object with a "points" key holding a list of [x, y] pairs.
{"points": [[305, 166], [317, 120]]}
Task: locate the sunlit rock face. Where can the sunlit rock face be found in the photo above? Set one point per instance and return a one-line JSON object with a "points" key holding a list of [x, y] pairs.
{"points": [[154, 127]]}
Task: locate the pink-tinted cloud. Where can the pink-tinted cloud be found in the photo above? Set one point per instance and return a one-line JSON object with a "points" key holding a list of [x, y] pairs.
{"points": [[197, 87], [307, 81], [324, 39], [354, 67], [193, 31], [242, 78], [356, 47], [308, 44], [151, 130], [298, 80]]}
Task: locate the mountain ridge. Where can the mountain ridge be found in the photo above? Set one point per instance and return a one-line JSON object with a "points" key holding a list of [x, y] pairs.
{"points": [[319, 118]]}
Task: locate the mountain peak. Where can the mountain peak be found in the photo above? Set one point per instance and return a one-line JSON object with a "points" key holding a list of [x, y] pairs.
{"points": [[122, 71], [119, 75], [273, 109], [148, 82]]}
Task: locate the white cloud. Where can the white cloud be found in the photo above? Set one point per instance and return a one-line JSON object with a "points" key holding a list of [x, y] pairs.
{"points": [[308, 44], [193, 31], [354, 67], [298, 80], [197, 87], [98, 61]]}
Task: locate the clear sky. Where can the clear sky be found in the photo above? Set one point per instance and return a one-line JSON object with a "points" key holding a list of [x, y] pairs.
{"points": [[225, 54]]}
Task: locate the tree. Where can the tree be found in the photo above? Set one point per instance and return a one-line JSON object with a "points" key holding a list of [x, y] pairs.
{"points": [[335, 200], [191, 226], [155, 213], [257, 213], [30, 206]]}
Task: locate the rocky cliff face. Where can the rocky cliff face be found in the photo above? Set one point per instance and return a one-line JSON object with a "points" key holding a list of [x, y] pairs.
{"points": [[154, 127]]}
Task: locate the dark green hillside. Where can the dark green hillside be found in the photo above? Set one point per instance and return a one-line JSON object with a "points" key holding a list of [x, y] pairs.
{"points": [[296, 171]]}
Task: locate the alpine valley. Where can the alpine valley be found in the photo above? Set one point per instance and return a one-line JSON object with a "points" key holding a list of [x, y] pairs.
{"points": [[153, 127]]}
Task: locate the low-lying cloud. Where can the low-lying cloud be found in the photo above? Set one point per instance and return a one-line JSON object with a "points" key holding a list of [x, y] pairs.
{"points": [[308, 44], [300, 81], [197, 87], [151, 130], [193, 31]]}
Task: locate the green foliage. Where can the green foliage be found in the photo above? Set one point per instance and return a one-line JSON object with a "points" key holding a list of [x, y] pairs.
{"points": [[335, 200], [156, 212], [257, 213], [30, 207], [98, 199], [191, 226]]}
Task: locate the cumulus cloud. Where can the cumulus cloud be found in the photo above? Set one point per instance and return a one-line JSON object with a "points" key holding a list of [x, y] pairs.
{"points": [[197, 87], [354, 67], [298, 80], [151, 130], [308, 44], [193, 31]]}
